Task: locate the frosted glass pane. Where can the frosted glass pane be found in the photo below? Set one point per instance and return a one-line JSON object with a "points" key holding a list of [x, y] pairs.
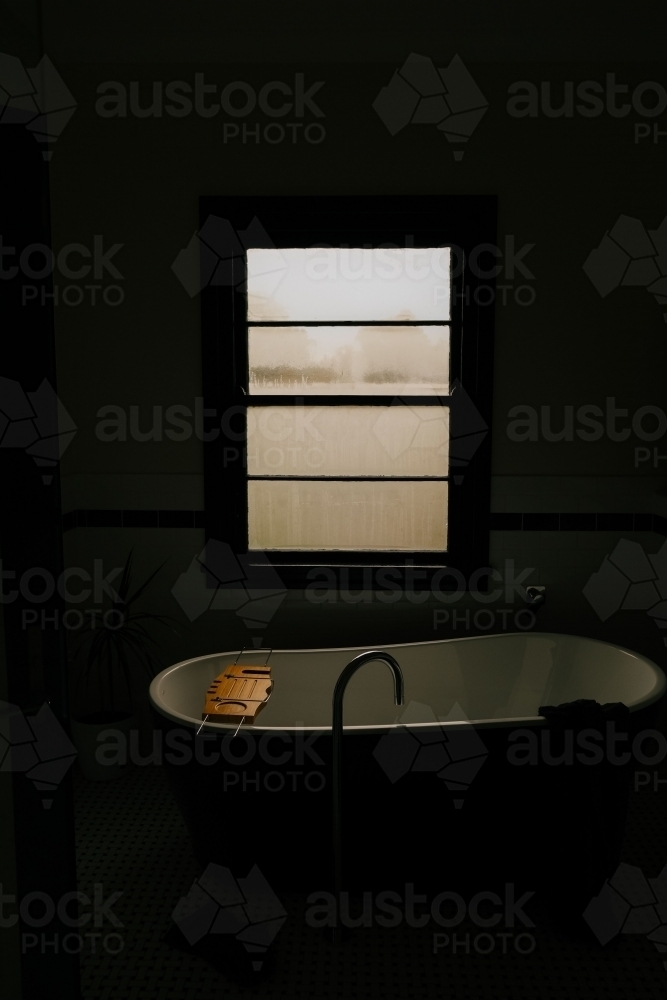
{"points": [[357, 360], [340, 516], [349, 284], [348, 440]]}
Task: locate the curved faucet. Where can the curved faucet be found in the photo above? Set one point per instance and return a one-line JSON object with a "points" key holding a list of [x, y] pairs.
{"points": [[337, 748]]}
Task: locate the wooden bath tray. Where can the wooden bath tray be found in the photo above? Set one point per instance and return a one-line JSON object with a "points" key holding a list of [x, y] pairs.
{"points": [[239, 693]]}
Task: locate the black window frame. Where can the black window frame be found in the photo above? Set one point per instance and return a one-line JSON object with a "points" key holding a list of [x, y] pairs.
{"points": [[468, 223]]}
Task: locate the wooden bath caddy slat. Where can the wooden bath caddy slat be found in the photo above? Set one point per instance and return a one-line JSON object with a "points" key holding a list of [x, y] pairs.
{"points": [[239, 693]]}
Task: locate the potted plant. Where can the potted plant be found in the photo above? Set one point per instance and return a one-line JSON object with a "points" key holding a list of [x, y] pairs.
{"points": [[113, 647]]}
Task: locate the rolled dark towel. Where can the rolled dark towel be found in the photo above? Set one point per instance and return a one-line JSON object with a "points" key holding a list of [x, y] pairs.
{"points": [[585, 712]]}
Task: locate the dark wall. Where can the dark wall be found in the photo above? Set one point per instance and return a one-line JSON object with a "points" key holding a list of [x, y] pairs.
{"points": [[562, 182]]}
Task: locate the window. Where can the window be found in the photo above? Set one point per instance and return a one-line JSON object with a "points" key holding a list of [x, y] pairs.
{"points": [[336, 334]]}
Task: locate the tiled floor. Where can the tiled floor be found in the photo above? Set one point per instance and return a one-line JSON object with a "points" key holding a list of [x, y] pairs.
{"points": [[130, 838]]}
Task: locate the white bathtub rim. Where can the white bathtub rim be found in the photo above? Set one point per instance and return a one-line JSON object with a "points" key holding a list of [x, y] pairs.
{"points": [[658, 691]]}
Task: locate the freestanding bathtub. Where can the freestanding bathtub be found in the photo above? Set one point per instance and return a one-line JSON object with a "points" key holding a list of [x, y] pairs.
{"points": [[434, 790]]}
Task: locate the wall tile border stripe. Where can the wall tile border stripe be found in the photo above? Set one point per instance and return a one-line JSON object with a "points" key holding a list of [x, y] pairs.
{"points": [[579, 522], [133, 519]]}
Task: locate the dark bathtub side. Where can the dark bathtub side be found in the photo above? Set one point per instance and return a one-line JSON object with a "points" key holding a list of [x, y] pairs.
{"points": [[261, 798]]}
